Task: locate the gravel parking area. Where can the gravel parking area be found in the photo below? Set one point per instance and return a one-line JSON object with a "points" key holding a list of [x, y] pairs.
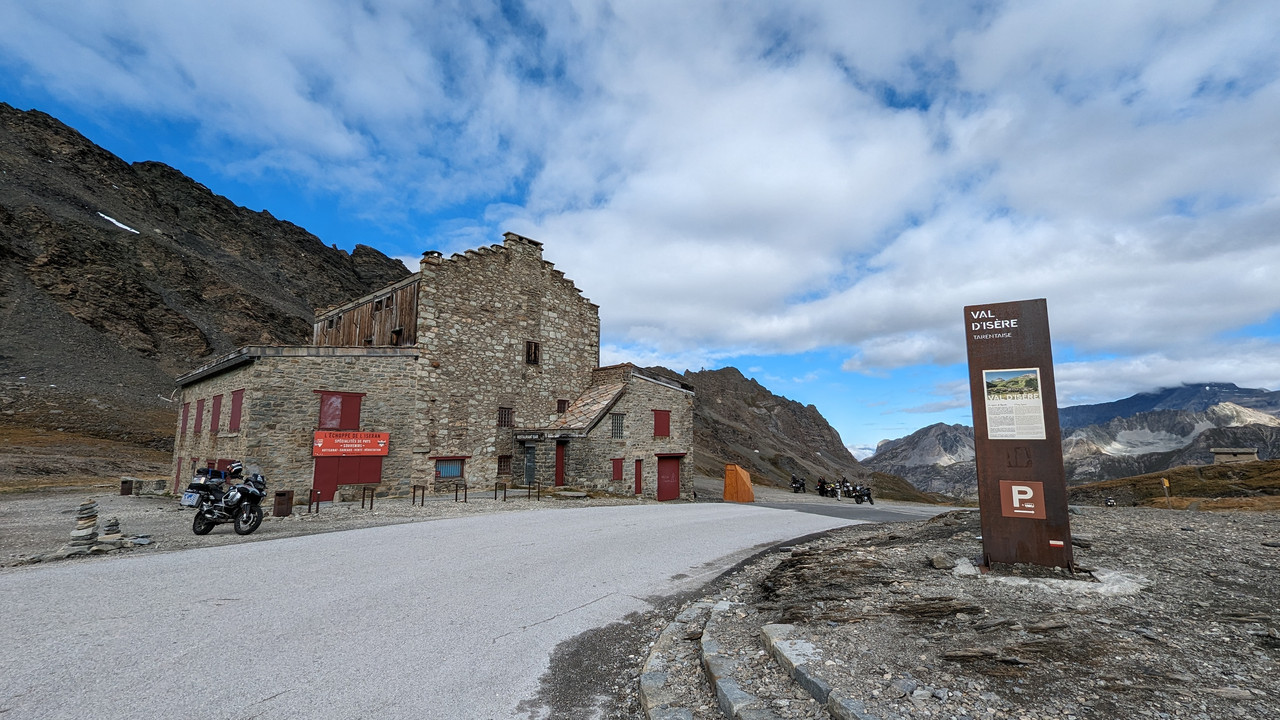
{"points": [[37, 524]]}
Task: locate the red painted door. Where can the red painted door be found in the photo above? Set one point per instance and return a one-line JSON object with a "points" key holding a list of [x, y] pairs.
{"points": [[325, 478], [668, 478], [639, 464], [330, 472], [561, 445]]}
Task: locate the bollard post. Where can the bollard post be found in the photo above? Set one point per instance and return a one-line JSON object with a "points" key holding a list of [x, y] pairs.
{"points": [[459, 486], [313, 499], [366, 492], [414, 497]]}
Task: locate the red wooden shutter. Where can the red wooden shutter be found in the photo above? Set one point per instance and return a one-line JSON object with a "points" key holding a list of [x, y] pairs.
{"points": [[662, 423], [617, 469], [237, 404], [330, 411], [215, 414], [199, 416], [186, 415], [350, 412]]}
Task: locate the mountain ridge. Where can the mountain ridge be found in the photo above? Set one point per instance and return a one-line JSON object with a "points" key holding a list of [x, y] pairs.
{"points": [[1122, 446], [118, 276]]}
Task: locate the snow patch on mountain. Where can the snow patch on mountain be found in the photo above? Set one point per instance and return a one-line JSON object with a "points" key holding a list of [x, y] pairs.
{"points": [[118, 224]]}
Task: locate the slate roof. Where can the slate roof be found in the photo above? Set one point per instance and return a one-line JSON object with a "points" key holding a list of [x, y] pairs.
{"points": [[587, 410]]}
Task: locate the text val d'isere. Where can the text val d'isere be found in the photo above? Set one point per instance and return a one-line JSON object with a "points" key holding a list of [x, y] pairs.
{"points": [[984, 320]]}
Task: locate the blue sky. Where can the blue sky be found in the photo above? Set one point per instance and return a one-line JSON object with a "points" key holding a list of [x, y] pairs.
{"points": [[808, 191]]}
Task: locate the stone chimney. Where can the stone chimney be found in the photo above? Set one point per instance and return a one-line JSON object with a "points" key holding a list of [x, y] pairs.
{"points": [[432, 257]]}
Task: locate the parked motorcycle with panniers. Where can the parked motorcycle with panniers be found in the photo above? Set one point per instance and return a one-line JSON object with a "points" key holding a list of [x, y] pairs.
{"points": [[241, 504], [859, 493]]}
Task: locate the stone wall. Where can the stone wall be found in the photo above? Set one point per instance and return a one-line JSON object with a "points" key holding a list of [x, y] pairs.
{"points": [[199, 444], [590, 458], [476, 312], [281, 413]]}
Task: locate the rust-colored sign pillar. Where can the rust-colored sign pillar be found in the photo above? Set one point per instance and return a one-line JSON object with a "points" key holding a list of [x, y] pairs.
{"points": [[1022, 488]]}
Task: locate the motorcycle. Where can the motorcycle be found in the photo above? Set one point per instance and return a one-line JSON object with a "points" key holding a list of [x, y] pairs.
{"points": [[798, 486], [861, 492], [241, 504]]}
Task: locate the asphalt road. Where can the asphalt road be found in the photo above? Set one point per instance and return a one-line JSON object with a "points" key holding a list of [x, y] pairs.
{"points": [[850, 510], [444, 619]]}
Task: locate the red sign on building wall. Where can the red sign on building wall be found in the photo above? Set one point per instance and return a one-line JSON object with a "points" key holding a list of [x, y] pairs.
{"points": [[348, 443]]}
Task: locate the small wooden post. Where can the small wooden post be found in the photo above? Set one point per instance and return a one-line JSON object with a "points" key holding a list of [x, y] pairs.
{"points": [[1167, 501]]}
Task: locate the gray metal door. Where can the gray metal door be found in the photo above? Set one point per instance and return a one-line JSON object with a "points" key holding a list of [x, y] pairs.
{"points": [[530, 463]]}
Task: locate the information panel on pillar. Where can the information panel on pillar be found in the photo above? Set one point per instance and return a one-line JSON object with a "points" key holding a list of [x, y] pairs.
{"points": [[1022, 491]]}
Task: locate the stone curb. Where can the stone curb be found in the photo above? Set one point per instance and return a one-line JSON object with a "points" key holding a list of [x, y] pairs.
{"points": [[735, 703], [802, 660], [655, 697]]}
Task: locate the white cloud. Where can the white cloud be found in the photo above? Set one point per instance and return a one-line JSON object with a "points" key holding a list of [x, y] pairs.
{"points": [[765, 178]]}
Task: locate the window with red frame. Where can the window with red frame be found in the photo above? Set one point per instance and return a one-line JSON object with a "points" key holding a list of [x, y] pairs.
{"points": [[339, 410]]}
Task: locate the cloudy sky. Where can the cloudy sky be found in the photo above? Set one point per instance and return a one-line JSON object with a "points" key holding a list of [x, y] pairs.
{"points": [[808, 191]]}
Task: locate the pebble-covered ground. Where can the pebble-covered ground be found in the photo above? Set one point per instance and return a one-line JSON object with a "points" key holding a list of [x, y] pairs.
{"points": [[1177, 616], [36, 526]]}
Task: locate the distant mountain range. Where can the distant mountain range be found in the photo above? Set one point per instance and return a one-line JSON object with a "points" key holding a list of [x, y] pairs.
{"points": [[1194, 398], [1144, 433]]}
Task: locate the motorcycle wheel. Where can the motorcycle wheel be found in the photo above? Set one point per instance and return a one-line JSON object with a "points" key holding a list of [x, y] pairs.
{"points": [[248, 519], [857, 499], [200, 525], [873, 502]]}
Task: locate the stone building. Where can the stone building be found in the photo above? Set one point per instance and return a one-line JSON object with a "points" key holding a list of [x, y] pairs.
{"points": [[1224, 456], [480, 368]]}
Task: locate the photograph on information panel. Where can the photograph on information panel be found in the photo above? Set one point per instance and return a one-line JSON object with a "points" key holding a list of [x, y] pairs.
{"points": [[1014, 408]]}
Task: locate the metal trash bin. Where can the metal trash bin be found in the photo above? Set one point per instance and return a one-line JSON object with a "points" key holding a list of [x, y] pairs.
{"points": [[126, 487], [284, 504]]}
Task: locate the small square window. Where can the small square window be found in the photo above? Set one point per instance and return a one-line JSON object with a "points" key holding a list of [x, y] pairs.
{"points": [[562, 406], [504, 465], [532, 353], [506, 417], [616, 420]]}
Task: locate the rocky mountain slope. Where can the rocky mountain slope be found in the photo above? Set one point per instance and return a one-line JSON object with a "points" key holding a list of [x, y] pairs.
{"points": [[737, 420], [939, 458], [115, 277], [1194, 398]]}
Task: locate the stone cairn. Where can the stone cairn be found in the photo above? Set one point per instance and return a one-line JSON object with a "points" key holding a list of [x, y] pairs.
{"points": [[85, 536], [85, 539]]}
